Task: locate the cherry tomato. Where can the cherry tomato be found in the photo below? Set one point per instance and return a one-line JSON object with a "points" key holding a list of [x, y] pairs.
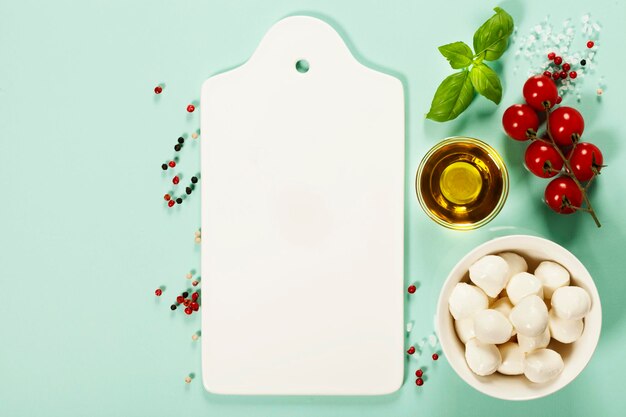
{"points": [[584, 158], [561, 194], [517, 119], [564, 122], [543, 160], [539, 90]]}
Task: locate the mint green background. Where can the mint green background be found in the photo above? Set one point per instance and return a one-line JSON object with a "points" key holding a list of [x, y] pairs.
{"points": [[85, 238]]}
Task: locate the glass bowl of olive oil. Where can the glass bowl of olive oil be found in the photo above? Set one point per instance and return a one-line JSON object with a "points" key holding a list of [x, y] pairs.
{"points": [[462, 183]]}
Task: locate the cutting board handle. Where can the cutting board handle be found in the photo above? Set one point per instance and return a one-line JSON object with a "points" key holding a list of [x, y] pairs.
{"points": [[302, 46]]}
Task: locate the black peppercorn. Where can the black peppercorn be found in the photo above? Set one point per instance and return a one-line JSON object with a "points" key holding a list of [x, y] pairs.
{"points": [[173, 307], [194, 180], [188, 190], [179, 200], [164, 167], [177, 147], [583, 62], [181, 140]]}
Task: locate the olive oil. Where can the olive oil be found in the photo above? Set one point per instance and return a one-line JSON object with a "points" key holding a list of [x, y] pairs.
{"points": [[462, 183]]}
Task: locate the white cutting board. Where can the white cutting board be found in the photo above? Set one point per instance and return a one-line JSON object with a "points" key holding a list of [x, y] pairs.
{"points": [[302, 221]]}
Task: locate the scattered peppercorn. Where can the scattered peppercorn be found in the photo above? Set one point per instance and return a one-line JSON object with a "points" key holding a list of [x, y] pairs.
{"points": [[583, 62], [194, 180], [179, 200], [164, 167]]}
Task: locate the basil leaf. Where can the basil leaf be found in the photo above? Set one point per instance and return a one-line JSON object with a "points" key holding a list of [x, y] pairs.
{"points": [[486, 82], [458, 54], [491, 39], [453, 96]]}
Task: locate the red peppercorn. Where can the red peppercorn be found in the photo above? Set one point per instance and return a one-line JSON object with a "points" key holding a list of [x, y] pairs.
{"points": [[411, 289], [158, 292], [435, 356], [547, 73], [194, 283], [171, 203], [411, 350], [558, 60], [559, 99], [191, 108], [555, 75], [180, 299], [551, 56], [419, 373], [573, 74], [176, 180], [158, 89], [167, 197], [590, 44], [187, 302], [563, 75], [194, 296], [188, 311], [172, 164], [419, 382], [194, 306]]}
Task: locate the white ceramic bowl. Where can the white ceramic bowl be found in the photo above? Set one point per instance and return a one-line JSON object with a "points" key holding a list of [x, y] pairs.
{"points": [[575, 355]]}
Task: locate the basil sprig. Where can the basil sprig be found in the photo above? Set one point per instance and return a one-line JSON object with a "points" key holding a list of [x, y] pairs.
{"points": [[457, 91]]}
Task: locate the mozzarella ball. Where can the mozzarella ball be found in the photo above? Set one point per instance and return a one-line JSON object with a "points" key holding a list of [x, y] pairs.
{"points": [[528, 343], [552, 276], [512, 359], [466, 300], [490, 273], [565, 331], [516, 263], [522, 285], [571, 303], [464, 329], [543, 365], [490, 326], [482, 358], [503, 305], [530, 316]]}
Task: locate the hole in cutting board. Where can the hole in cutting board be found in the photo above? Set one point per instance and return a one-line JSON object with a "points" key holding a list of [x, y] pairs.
{"points": [[302, 66]]}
